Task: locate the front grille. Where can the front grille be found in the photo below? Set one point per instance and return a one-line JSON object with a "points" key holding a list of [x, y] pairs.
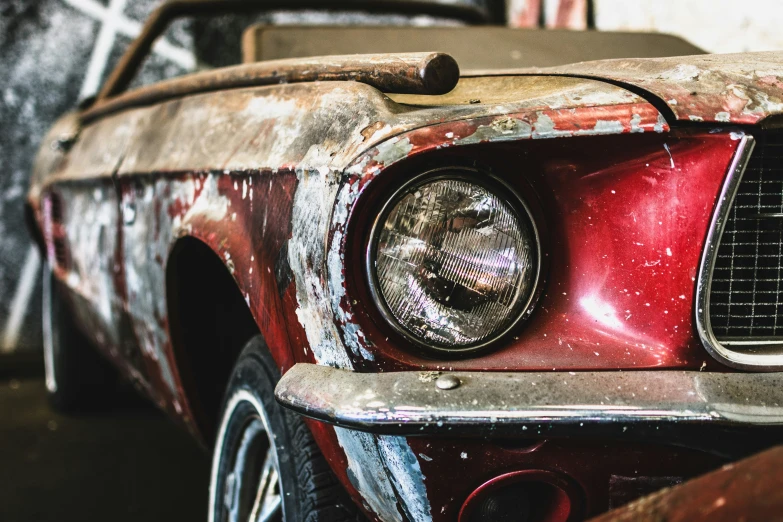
{"points": [[746, 296]]}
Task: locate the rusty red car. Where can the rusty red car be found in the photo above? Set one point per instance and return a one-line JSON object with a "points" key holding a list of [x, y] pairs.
{"points": [[380, 287]]}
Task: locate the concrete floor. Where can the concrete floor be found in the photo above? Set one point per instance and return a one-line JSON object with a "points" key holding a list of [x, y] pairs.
{"points": [[129, 464]]}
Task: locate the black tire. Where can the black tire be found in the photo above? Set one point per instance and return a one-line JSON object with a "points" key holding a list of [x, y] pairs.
{"points": [[307, 490], [78, 378]]}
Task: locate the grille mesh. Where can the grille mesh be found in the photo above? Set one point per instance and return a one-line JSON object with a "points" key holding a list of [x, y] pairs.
{"points": [[746, 297]]}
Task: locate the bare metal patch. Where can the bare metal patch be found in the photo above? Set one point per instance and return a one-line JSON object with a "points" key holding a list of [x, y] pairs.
{"points": [[313, 201], [405, 473], [90, 223], [369, 454], [365, 471]]}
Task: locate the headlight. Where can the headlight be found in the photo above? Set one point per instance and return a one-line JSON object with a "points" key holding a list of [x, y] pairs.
{"points": [[453, 260]]}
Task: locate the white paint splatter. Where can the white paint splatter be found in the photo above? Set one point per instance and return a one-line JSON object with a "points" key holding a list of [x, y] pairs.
{"points": [[723, 117]]}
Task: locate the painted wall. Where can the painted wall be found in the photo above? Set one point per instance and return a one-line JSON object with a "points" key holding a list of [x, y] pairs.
{"points": [[717, 26]]}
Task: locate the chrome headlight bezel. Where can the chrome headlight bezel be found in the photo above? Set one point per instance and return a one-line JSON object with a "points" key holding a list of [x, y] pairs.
{"points": [[502, 191]]}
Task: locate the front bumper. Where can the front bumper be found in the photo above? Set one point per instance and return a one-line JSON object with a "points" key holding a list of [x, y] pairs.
{"points": [[674, 405]]}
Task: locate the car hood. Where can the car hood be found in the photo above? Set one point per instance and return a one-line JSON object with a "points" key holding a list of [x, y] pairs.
{"points": [[743, 88]]}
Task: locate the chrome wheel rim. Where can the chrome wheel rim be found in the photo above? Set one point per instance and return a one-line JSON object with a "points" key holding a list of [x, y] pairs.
{"points": [[48, 333], [252, 489]]}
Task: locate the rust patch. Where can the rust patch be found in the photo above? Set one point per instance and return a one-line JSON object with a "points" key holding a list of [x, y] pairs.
{"points": [[370, 130]]}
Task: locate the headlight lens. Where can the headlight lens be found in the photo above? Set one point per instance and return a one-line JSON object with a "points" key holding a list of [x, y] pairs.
{"points": [[455, 263]]}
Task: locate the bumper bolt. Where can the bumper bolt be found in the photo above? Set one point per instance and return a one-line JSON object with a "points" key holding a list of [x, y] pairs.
{"points": [[447, 382]]}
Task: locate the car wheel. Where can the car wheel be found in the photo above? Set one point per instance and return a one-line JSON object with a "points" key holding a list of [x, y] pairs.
{"points": [[78, 379], [266, 465]]}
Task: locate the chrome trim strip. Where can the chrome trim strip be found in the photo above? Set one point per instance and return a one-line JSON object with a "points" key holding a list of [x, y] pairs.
{"points": [[721, 351], [767, 216], [750, 341], [500, 403]]}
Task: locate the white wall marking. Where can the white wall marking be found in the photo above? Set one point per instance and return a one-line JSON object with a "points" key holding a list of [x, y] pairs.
{"points": [[102, 49], [21, 300], [131, 28]]}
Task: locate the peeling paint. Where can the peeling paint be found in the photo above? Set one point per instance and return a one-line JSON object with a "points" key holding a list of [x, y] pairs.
{"points": [[209, 205], [351, 331], [635, 121], [661, 124], [312, 206], [545, 128], [611, 127], [504, 129], [723, 117], [393, 150], [406, 475], [368, 454], [365, 466]]}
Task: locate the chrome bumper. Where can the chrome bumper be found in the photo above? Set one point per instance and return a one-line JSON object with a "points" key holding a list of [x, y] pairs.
{"points": [[535, 404]]}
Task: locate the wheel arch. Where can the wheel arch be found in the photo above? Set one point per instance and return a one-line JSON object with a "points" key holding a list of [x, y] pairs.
{"points": [[209, 323]]}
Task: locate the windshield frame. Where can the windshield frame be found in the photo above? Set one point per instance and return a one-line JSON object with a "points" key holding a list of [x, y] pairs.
{"points": [[126, 69]]}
